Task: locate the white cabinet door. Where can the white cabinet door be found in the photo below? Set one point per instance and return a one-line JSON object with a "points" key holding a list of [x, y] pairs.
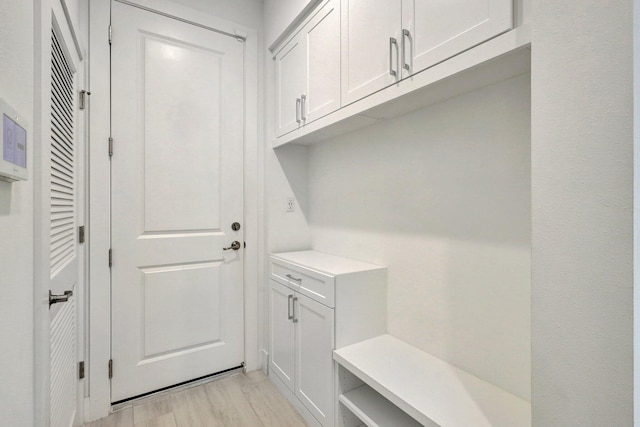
{"points": [[314, 363], [290, 85], [282, 332], [437, 30], [322, 44], [371, 32]]}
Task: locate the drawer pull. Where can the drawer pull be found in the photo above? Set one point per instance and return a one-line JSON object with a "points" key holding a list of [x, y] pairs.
{"points": [[293, 278], [294, 310], [289, 315]]}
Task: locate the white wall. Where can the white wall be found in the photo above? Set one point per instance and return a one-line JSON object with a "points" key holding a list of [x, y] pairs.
{"points": [[442, 197], [280, 14], [582, 180], [16, 225]]}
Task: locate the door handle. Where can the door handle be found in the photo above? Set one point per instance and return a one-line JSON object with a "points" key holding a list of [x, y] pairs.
{"points": [[392, 42], [235, 246], [55, 299], [289, 315], [298, 101], [406, 34]]}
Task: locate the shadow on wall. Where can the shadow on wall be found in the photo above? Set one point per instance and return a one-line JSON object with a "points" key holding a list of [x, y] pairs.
{"points": [[5, 198], [293, 160], [442, 197], [459, 169]]}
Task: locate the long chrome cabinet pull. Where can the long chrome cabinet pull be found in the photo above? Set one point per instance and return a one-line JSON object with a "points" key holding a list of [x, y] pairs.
{"points": [[406, 34], [289, 315], [295, 320], [392, 42], [293, 278], [303, 107], [298, 101]]}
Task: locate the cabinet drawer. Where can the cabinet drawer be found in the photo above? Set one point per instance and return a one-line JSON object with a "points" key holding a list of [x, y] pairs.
{"points": [[315, 285]]}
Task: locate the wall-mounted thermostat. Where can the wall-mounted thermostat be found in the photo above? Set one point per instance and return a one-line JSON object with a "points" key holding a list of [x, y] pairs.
{"points": [[13, 153]]}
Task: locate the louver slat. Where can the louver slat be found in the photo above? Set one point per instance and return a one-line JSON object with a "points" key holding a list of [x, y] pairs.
{"points": [[63, 186]]}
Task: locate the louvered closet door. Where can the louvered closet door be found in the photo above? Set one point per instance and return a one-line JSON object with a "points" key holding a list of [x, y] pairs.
{"points": [[63, 247]]}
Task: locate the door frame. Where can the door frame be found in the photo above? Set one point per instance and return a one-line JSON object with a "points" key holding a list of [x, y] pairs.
{"points": [[98, 404], [43, 14]]}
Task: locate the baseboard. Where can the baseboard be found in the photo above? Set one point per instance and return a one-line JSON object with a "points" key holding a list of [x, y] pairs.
{"points": [[264, 360], [288, 394]]}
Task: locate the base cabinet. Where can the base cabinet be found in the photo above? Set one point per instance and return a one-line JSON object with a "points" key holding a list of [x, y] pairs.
{"points": [[317, 303], [301, 348]]}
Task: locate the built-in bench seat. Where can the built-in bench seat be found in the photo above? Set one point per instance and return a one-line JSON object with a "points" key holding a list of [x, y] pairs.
{"points": [[404, 386]]}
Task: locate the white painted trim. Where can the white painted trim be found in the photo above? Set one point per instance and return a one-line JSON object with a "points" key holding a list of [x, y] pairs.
{"points": [[42, 61], [252, 193], [99, 401], [182, 12], [636, 212], [74, 34]]}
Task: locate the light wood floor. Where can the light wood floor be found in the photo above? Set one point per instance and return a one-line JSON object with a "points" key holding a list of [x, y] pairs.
{"points": [[236, 401]]}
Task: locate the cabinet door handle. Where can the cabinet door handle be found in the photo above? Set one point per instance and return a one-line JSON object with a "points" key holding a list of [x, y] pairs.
{"points": [[406, 35], [289, 315], [295, 320], [303, 107], [392, 42], [298, 101]]}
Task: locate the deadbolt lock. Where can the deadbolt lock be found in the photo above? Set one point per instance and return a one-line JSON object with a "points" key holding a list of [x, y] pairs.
{"points": [[235, 226]]}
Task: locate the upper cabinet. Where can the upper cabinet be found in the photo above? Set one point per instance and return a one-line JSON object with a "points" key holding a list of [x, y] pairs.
{"points": [[347, 58], [370, 46], [290, 82], [433, 31], [308, 71], [388, 40]]}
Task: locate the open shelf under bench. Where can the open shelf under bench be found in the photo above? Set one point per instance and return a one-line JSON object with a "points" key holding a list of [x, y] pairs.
{"points": [[428, 389]]}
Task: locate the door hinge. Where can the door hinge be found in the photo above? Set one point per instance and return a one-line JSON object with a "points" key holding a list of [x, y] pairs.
{"points": [[81, 236], [80, 370], [110, 368], [82, 99], [110, 146], [110, 258], [110, 33]]}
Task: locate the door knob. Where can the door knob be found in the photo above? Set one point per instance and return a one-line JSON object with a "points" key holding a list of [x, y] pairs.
{"points": [[54, 299], [235, 246]]}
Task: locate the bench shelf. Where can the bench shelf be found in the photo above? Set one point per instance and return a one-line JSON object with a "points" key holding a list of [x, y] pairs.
{"points": [[399, 378]]}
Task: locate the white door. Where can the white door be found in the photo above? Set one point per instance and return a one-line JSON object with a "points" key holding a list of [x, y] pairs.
{"points": [[438, 30], [370, 46], [177, 188], [290, 85], [314, 357], [322, 43], [65, 206], [281, 328]]}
